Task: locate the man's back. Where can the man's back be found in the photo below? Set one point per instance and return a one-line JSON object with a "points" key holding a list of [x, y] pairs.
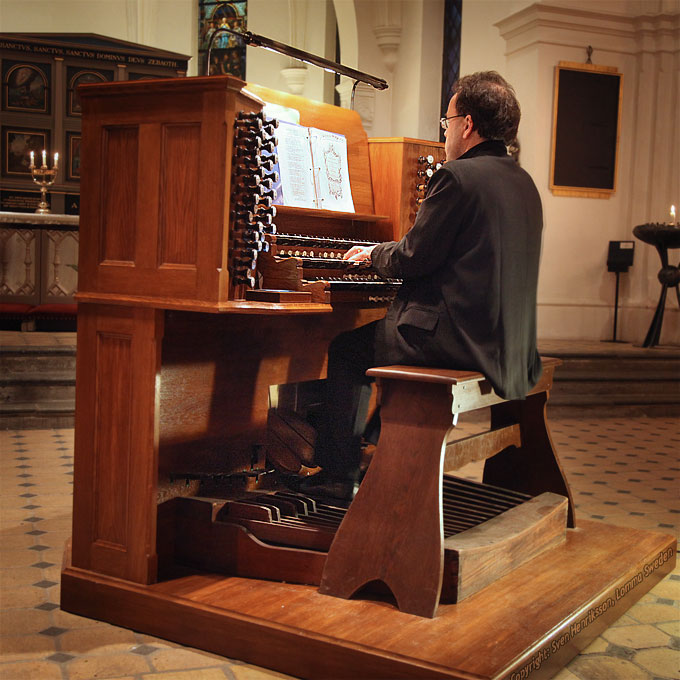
{"points": [[470, 266]]}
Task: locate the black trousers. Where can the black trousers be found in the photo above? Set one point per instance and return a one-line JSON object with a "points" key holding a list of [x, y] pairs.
{"points": [[348, 391]]}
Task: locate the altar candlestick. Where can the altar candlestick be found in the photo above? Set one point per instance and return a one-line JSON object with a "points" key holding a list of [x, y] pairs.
{"points": [[43, 177]]}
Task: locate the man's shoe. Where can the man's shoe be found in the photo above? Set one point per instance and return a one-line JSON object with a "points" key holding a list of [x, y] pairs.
{"points": [[329, 485]]}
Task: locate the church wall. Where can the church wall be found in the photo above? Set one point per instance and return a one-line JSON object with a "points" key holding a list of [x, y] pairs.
{"points": [[307, 28]]}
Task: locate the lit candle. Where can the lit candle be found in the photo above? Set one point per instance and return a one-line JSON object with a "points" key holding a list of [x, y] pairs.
{"points": [[44, 155], [672, 213], [56, 161], [32, 165]]}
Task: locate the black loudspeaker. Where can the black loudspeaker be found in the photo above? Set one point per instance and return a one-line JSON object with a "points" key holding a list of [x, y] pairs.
{"points": [[620, 255]]}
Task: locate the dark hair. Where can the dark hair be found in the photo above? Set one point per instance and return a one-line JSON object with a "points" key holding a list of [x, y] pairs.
{"points": [[491, 103]]}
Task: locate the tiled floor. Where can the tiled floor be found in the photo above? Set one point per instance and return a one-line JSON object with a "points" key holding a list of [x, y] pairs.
{"points": [[622, 472]]}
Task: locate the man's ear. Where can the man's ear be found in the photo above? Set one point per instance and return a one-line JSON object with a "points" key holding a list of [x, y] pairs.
{"points": [[469, 127]]}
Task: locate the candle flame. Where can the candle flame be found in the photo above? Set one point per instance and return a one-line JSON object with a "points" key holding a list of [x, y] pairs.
{"points": [[673, 212]]}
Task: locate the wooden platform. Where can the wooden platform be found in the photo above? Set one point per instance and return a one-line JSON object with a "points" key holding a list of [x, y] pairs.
{"points": [[527, 625]]}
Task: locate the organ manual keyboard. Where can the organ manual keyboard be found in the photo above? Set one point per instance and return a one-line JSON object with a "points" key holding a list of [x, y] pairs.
{"points": [[192, 311]]}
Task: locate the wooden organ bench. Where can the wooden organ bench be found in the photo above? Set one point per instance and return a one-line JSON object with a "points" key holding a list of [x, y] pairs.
{"points": [[428, 535]]}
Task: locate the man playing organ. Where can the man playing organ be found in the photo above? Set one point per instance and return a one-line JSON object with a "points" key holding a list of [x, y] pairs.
{"points": [[469, 267]]}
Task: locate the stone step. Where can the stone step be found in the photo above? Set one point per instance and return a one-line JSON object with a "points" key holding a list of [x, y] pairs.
{"points": [[15, 360], [620, 391], [58, 413], [603, 368], [633, 384], [37, 387]]}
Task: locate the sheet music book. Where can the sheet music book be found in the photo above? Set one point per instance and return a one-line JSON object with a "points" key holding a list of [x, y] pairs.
{"points": [[313, 168], [295, 166], [331, 175]]}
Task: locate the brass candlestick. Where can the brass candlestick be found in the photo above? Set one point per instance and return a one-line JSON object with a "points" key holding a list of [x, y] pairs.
{"points": [[44, 177]]}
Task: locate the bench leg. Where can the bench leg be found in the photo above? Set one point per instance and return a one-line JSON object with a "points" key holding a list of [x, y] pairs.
{"points": [[393, 531], [532, 468]]}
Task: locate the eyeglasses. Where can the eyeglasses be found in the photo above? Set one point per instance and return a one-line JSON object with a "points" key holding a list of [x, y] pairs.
{"points": [[444, 122]]}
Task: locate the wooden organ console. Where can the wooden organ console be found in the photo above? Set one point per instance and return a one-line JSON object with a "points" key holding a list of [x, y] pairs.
{"points": [[196, 298]]}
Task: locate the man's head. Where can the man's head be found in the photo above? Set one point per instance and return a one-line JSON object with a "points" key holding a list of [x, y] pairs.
{"points": [[483, 106]]}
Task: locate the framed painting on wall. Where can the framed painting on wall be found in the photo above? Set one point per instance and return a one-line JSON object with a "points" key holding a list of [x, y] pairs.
{"points": [[586, 127], [82, 76], [17, 144], [26, 86], [73, 140]]}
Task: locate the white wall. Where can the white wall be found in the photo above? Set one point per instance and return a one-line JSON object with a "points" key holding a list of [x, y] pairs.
{"points": [[165, 24], [411, 104], [309, 26]]}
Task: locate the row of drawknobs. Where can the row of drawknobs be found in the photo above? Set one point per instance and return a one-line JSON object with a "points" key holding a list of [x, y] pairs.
{"points": [[424, 174], [253, 193]]}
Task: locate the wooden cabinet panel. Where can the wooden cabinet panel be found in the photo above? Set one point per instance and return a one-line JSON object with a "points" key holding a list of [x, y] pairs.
{"points": [[119, 192], [159, 159], [116, 447], [394, 168], [113, 400], [179, 186]]}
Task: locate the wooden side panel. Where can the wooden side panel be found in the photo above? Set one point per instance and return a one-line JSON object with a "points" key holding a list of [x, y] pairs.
{"points": [[120, 146], [394, 171], [387, 163], [534, 467], [155, 212], [179, 185], [113, 400], [116, 445], [403, 546]]}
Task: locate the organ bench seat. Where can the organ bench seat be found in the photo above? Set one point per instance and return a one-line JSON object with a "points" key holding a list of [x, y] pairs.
{"points": [[404, 526]]}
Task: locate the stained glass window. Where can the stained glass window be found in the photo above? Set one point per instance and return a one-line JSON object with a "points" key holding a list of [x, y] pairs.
{"points": [[228, 54]]}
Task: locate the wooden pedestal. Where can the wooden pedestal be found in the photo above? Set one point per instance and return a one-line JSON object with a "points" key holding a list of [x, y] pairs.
{"points": [[525, 626]]}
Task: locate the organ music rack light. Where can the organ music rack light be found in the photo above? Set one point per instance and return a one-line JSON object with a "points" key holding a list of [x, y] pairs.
{"points": [[273, 45]]}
